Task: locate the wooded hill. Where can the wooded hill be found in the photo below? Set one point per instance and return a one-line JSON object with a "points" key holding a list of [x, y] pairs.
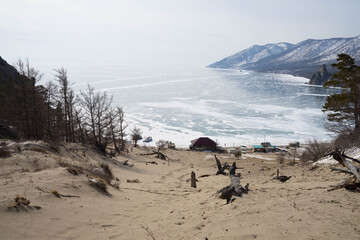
{"points": [[53, 112]]}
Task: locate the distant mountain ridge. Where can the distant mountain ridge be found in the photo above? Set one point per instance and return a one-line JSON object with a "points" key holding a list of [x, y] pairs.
{"points": [[301, 59]]}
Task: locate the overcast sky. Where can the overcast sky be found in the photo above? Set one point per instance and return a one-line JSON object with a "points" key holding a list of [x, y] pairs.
{"points": [[183, 32]]}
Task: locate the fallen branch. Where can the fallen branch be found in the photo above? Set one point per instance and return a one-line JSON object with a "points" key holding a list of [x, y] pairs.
{"points": [[341, 158], [341, 170], [205, 175], [352, 183]]}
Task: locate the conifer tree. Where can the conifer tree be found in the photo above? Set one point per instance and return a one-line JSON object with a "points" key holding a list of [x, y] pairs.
{"points": [[343, 109]]}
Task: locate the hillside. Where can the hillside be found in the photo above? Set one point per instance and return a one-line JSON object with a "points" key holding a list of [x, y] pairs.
{"points": [[8, 73], [251, 55], [301, 59]]}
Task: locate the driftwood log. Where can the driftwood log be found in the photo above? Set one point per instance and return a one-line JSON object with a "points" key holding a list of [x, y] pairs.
{"points": [[352, 183], [234, 188]]}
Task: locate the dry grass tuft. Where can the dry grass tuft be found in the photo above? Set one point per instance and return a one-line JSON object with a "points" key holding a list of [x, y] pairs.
{"points": [[237, 154], [100, 184], [108, 176], [280, 158], [56, 193], [72, 169], [38, 149], [22, 200], [22, 203], [75, 170], [104, 173]]}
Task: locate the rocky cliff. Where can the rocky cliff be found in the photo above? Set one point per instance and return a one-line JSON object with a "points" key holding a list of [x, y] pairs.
{"points": [[320, 77]]}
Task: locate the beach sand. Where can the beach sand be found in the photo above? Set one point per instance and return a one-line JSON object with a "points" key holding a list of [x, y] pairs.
{"points": [[162, 201]]}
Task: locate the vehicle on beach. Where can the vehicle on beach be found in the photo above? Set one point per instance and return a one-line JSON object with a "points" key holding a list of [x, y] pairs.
{"points": [[147, 139]]}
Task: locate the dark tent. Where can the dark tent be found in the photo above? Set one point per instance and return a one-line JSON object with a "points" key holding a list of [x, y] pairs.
{"points": [[203, 143]]}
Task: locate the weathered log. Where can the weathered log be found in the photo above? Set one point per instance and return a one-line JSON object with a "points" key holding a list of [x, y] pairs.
{"points": [[353, 159], [352, 183], [341, 158], [221, 168], [234, 188], [193, 179], [227, 193]]}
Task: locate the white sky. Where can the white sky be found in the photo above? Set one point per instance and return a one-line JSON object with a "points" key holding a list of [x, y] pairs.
{"points": [[162, 33]]}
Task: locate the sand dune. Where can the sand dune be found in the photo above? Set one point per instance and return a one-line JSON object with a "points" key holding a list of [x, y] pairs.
{"points": [[163, 202]]}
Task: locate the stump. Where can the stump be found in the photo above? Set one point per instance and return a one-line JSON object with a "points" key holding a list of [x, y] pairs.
{"points": [[234, 188], [193, 179]]}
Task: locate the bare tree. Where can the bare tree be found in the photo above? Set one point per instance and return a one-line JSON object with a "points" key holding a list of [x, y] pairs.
{"points": [[162, 144], [113, 130], [26, 70], [117, 128], [51, 101], [314, 150], [96, 107], [293, 154], [122, 127], [62, 79], [31, 116], [135, 135], [88, 104], [102, 111], [79, 121], [71, 117]]}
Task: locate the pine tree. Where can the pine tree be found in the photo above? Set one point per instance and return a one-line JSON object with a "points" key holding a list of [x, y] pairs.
{"points": [[344, 108]]}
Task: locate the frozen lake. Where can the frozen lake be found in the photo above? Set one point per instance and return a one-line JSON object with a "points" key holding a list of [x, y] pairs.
{"points": [[231, 106]]}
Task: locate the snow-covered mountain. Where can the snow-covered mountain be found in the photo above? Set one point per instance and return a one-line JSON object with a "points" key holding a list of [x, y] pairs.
{"points": [[301, 59], [251, 55]]}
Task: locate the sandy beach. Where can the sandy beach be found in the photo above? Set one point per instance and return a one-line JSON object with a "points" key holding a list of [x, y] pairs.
{"points": [[155, 197]]}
